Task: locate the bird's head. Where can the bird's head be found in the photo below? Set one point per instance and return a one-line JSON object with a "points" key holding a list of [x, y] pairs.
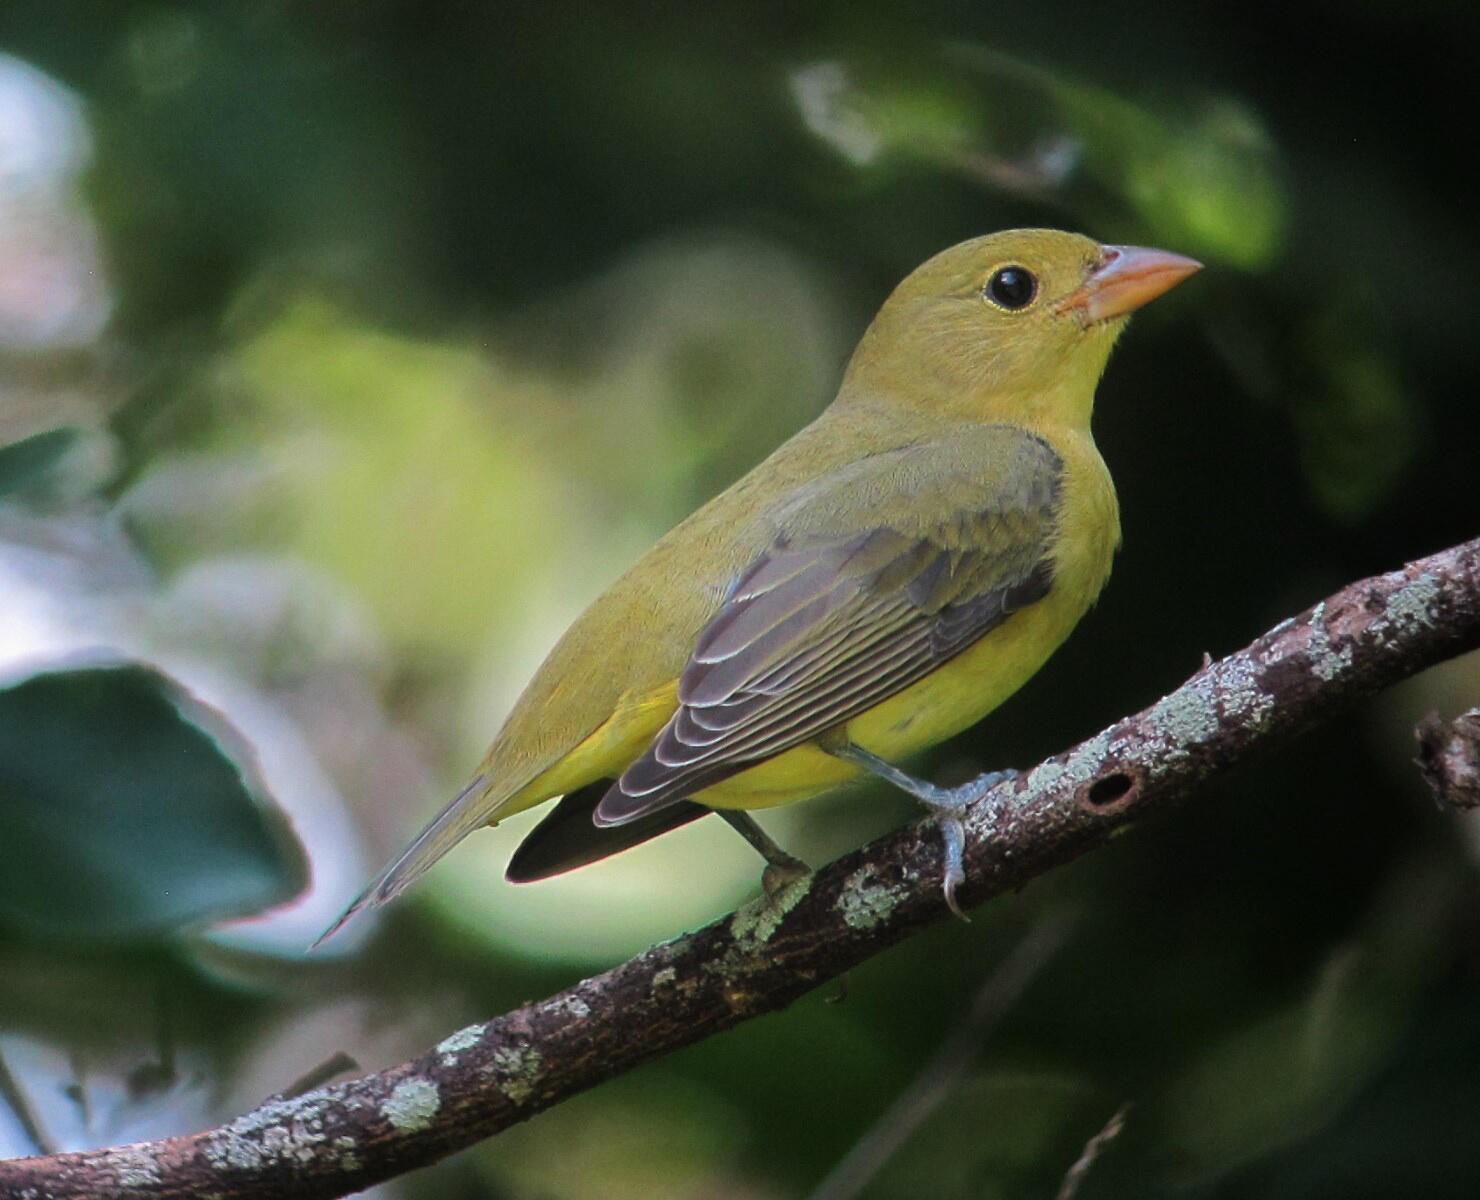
{"points": [[1017, 324]]}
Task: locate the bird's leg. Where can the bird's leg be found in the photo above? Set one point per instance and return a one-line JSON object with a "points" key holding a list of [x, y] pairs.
{"points": [[945, 803], [781, 867]]}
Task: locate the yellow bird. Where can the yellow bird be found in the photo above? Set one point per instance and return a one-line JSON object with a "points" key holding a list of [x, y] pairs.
{"points": [[878, 584]]}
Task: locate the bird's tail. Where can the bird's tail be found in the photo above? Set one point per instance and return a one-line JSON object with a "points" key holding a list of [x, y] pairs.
{"points": [[466, 813]]}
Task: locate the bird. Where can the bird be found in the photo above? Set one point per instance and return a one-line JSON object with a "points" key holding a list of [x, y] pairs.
{"points": [[880, 583]]}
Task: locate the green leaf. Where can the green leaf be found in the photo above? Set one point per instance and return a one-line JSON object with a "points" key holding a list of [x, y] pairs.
{"points": [[121, 815], [25, 463]]}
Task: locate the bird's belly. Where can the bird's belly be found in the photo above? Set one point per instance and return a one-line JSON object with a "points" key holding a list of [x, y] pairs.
{"points": [[939, 706]]}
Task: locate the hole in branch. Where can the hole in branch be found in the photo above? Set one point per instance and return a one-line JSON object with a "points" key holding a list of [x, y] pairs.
{"points": [[1114, 788]]}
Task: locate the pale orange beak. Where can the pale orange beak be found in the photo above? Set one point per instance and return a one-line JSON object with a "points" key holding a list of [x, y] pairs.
{"points": [[1127, 278]]}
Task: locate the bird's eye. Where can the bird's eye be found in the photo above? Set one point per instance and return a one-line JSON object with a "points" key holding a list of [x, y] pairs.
{"points": [[1011, 287]]}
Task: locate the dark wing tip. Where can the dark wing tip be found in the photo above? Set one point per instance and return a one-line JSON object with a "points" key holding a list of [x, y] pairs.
{"points": [[568, 837]]}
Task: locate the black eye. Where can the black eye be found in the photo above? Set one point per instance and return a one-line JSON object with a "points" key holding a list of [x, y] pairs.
{"points": [[1012, 287]]}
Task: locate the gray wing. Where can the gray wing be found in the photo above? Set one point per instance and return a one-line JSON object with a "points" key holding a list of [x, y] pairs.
{"points": [[821, 629]]}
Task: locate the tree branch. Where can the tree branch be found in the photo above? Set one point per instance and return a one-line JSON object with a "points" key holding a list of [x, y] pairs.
{"points": [[345, 1137]]}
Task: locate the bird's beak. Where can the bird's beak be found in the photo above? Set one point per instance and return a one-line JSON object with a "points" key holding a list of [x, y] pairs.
{"points": [[1127, 278]]}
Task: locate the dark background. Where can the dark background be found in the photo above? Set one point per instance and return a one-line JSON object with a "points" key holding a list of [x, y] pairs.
{"points": [[348, 349]]}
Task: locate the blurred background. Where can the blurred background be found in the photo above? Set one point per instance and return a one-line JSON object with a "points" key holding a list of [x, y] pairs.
{"points": [[347, 350]]}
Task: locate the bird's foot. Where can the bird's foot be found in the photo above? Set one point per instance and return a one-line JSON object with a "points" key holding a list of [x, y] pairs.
{"points": [[945, 805], [781, 873], [953, 847], [932, 796], [782, 869], [956, 798]]}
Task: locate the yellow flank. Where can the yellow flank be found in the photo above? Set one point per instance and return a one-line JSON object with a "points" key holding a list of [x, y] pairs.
{"points": [[958, 449]]}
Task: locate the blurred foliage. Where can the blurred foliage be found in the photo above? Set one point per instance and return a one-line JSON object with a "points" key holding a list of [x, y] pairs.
{"points": [[1201, 175], [348, 349], [160, 829], [28, 462]]}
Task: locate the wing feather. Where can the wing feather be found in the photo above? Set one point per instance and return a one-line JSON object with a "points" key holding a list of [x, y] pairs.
{"points": [[820, 629]]}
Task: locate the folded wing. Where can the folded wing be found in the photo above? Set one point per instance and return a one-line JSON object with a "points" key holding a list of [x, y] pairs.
{"points": [[824, 626]]}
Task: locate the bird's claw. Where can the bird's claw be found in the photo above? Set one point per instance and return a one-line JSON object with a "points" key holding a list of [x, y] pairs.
{"points": [[949, 888], [973, 790], [953, 835]]}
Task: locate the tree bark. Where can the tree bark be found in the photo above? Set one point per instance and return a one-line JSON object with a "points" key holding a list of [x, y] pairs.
{"points": [[344, 1137]]}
